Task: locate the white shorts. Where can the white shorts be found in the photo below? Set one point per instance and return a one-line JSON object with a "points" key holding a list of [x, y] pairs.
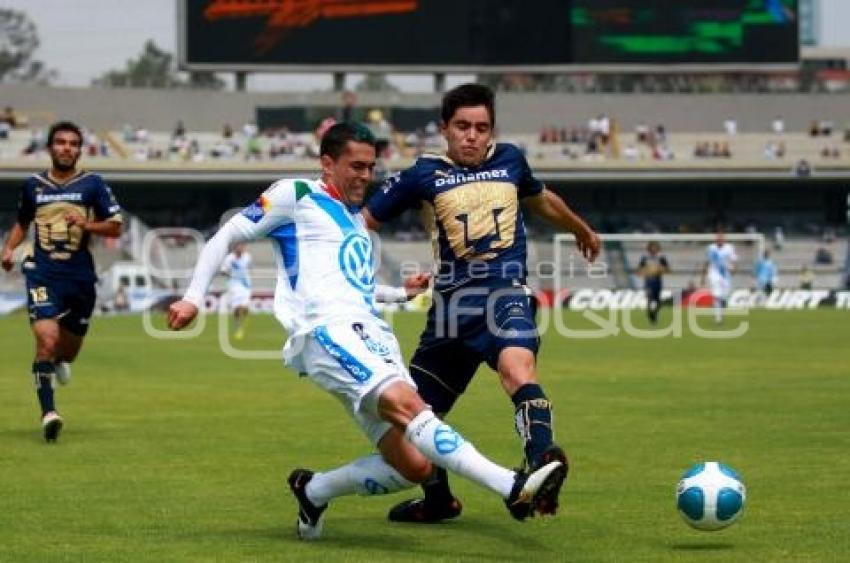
{"points": [[238, 296], [354, 361], [719, 286]]}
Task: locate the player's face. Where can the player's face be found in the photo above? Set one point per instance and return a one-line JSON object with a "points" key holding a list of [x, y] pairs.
{"points": [[352, 172], [468, 134], [65, 150]]}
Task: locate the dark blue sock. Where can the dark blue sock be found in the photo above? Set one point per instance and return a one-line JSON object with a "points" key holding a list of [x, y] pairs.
{"points": [[43, 377], [533, 418]]}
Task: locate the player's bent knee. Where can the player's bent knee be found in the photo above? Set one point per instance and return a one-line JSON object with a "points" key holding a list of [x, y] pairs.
{"points": [[399, 404]]}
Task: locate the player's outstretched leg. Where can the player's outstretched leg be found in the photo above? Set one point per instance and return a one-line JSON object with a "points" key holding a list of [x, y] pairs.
{"points": [[533, 417], [310, 522], [367, 476], [533, 489], [441, 444], [437, 505], [547, 502], [43, 375]]}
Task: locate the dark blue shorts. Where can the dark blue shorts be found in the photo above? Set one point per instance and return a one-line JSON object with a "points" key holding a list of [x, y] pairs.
{"points": [[466, 327], [70, 302]]}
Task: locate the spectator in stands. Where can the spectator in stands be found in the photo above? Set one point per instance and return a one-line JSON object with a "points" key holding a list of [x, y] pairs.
{"points": [[778, 125], [5, 128], [227, 131], [823, 256], [814, 129], [9, 117], [730, 126], [349, 99], [765, 272], [179, 130]]}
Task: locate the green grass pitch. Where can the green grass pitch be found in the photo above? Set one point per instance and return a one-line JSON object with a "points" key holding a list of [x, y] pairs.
{"points": [[174, 452]]}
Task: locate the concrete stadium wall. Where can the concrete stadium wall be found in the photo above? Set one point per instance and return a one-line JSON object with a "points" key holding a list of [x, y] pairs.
{"points": [[517, 113]]}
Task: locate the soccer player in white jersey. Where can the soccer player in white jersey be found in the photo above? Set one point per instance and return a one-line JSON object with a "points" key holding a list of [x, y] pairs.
{"points": [[720, 264], [237, 267], [325, 299]]}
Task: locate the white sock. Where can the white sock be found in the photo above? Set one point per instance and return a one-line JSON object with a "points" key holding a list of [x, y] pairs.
{"points": [[718, 312], [440, 443], [369, 475]]}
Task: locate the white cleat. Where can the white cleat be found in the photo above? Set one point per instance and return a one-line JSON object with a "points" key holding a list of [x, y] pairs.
{"points": [[51, 424], [63, 373]]}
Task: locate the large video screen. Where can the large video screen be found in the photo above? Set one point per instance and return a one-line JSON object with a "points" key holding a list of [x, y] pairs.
{"points": [[689, 32], [433, 35], [399, 34]]}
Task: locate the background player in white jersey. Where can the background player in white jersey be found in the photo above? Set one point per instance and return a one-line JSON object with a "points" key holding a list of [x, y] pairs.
{"points": [[237, 267], [719, 266], [324, 298]]}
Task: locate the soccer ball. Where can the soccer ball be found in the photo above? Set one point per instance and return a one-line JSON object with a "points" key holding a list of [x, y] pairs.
{"points": [[710, 496]]}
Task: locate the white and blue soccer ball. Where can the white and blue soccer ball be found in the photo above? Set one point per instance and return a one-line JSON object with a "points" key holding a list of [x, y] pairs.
{"points": [[710, 496]]}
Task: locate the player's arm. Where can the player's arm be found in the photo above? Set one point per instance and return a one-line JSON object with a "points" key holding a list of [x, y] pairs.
{"points": [[26, 213], [397, 194], [15, 238], [554, 210], [183, 312], [107, 220], [274, 208], [413, 285], [107, 228]]}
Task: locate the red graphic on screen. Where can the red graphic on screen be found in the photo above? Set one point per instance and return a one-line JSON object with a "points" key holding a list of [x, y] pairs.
{"points": [[287, 15]]}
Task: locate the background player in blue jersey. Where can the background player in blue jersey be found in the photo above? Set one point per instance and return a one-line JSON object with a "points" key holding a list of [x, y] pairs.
{"points": [[67, 206], [653, 265], [482, 310]]}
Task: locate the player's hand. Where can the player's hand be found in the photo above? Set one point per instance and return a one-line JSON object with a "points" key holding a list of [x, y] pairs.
{"points": [[76, 220], [180, 314], [8, 259], [417, 284], [588, 244]]}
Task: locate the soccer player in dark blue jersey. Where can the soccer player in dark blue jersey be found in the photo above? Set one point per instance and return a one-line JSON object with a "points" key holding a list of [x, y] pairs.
{"points": [[653, 265], [482, 311], [67, 206]]}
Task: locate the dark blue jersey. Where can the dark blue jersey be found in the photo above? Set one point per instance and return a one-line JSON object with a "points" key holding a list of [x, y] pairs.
{"points": [[652, 268], [472, 212], [61, 251]]}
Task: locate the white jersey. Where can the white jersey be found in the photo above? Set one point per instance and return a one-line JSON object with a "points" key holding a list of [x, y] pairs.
{"points": [[721, 260], [238, 270], [325, 265]]}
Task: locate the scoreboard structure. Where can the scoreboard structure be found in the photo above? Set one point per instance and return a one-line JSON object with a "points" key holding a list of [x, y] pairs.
{"points": [[481, 35]]}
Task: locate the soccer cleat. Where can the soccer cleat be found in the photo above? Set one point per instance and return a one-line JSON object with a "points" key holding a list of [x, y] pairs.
{"points": [[63, 373], [547, 499], [310, 521], [51, 423], [422, 511], [529, 488]]}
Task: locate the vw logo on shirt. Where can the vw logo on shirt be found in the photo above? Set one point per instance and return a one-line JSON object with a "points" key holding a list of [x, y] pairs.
{"points": [[356, 262]]}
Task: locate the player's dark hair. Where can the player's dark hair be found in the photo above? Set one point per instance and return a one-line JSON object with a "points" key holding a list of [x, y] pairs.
{"points": [[468, 95], [336, 137], [63, 126]]}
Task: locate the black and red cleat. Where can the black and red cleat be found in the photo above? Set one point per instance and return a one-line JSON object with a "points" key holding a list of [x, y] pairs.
{"points": [[420, 511]]}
